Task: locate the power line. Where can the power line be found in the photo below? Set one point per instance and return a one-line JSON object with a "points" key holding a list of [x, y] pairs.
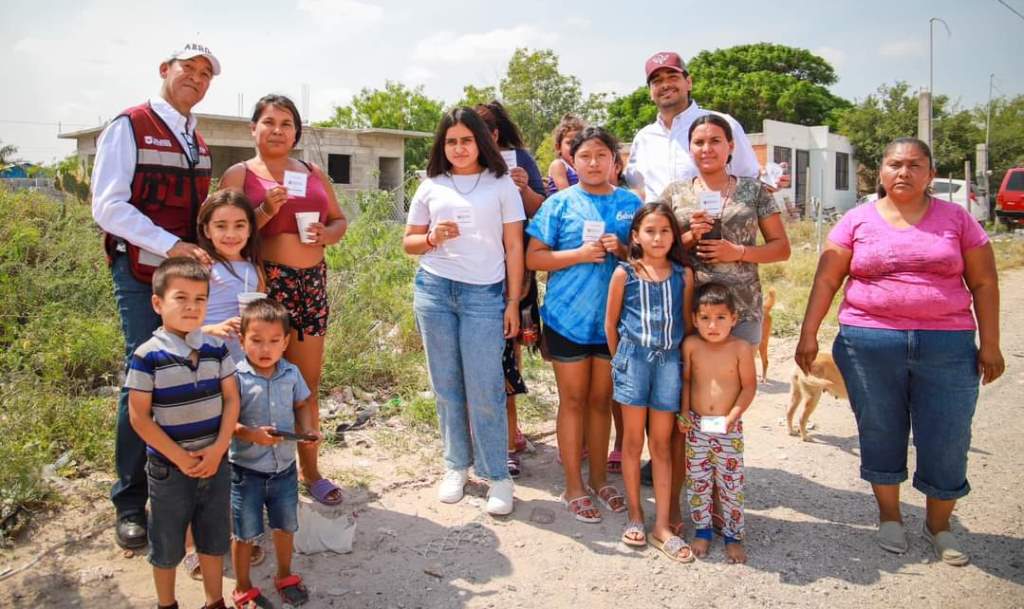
{"points": [[1013, 10]]}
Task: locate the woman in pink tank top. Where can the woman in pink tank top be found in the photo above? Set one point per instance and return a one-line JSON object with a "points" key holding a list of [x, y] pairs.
{"points": [[294, 263], [914, 267]]}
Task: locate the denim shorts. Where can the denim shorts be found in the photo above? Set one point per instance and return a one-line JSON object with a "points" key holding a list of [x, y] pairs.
{"points": [[647, 377], [749, 331], [251, 491], [920, 380], [177, 501]]}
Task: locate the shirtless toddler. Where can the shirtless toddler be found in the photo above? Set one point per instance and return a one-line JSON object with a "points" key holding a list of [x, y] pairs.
{"points": [[719, 384]]}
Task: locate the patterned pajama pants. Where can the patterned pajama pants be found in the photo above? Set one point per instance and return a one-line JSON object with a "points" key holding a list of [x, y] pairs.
{"points": [[715, 458]]}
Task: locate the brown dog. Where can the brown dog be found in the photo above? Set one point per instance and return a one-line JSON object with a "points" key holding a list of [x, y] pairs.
{"points": [[766, 332], [806, 389]]}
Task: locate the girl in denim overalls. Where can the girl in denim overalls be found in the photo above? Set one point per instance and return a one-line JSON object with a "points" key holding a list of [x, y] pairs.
{"points": [[645, 324]]}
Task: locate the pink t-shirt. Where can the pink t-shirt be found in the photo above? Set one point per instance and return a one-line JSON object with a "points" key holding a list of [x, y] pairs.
{"points": [[908, 278]]}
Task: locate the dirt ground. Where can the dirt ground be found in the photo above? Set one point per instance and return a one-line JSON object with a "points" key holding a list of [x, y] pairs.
{"points": [[810, 527]]}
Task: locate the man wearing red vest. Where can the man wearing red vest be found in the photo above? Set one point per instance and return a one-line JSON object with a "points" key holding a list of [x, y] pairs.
{"points": [[152, 173]]}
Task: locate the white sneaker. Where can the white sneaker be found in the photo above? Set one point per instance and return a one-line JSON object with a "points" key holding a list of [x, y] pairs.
{"points": [[499, 497], [452, 486]]}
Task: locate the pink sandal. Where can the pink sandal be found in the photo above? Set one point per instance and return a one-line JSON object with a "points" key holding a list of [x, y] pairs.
{"points": [[615, 462], [578, 506]]}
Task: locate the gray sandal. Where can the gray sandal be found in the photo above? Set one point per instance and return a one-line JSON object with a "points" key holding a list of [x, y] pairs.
{"points": [[672, 546], [947, 547], [892, 537]]}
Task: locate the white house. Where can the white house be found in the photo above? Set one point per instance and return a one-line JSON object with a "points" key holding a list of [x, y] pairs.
{"points": [[821, 164]]}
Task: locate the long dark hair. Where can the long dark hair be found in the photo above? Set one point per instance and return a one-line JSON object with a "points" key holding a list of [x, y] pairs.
{"points": [[921, 146], [716, 120], [497, 119], [489, 157], [675, 253], [283, 103], [230, 198]]}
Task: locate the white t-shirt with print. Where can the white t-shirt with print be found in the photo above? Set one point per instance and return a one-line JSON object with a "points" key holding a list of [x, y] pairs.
{"points": [[481, 204]]}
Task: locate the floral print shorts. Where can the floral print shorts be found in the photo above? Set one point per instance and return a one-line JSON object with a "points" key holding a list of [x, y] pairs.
{"points": [[304, 293]]}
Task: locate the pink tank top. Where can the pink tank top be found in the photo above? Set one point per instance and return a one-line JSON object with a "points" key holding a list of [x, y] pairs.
{"points": [[256, 188]]}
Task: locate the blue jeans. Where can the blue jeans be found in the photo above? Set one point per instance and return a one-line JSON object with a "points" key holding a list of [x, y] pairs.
{"points": [[138, 321], [462, 329], [252, 490], [925, 380]]}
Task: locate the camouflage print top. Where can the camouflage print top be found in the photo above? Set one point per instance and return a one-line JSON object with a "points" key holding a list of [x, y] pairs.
{"points": [[749, 203]]}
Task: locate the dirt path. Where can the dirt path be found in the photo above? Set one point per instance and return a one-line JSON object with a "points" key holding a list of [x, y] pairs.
{"points": [[810, 523]]}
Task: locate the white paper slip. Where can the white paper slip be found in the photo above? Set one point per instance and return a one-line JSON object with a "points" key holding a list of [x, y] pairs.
{"points": [[772, 173], [295, 183], [712, 424], [592, 230], [463, 216], [148, 258], [510, 158], [711, 202]]}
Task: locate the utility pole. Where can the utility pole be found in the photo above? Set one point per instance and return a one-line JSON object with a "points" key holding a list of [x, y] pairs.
{"points": [[931, 73], [988, 120]]}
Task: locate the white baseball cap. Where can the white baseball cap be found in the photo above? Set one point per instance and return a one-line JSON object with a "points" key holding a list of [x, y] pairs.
{"points": [[194, 49]]}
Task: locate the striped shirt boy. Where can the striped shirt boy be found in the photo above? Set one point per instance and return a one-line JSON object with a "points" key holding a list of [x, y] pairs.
{"points": [[186, 396]]}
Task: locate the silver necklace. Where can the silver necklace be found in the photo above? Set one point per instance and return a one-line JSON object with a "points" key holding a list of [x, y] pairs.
{"points": [[456, 186]]}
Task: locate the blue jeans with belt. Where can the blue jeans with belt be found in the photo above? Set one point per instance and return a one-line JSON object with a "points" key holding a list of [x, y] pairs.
{"points": [[920, 380], [138, 321], [462, 326]]}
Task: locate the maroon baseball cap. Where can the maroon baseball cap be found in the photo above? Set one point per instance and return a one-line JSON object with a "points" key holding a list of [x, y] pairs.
{"points": [[664, 59]]}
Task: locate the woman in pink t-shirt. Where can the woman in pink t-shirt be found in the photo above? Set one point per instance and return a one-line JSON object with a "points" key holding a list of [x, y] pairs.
{"points": [[913, 266]]}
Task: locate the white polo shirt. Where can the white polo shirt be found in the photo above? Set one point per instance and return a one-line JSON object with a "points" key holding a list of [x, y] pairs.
{"points": [[661, 155], [112, 176]]}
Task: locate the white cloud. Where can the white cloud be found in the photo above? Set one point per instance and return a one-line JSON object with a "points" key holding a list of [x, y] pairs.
{"points": [[323, 101], [417, 74], [903, 48], [449, 47], [834, 56], [578, 23], [341, 12]]}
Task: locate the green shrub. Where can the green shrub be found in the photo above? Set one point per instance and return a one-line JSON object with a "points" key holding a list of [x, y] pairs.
{"points": [[372, 338]]}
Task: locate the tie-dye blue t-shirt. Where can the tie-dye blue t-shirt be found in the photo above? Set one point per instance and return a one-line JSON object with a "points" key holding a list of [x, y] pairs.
{"points": [[576, 296]]}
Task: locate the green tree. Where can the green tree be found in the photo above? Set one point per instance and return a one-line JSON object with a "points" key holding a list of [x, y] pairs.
{"points": [[7, 152], [473, 95], [751, 82], [1006, 138], [537, 95], [891, 112], [757, 81], [394, 107], [630, 113]]}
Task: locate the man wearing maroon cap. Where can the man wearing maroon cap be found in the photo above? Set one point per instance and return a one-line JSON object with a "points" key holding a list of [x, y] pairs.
{"points": [[661, 151]]}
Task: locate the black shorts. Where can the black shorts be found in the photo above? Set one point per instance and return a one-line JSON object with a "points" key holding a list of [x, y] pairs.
{"points": [[561, 349]]}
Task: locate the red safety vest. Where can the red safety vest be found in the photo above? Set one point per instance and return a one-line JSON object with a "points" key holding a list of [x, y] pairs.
{"points": [[168, 187]]}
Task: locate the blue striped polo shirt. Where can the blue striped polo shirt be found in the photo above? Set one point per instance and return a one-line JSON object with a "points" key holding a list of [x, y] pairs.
{"points": [[186, 401]]}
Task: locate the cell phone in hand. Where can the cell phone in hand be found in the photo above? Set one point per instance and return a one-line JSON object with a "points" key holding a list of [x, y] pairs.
{"points": [[290, 435]]}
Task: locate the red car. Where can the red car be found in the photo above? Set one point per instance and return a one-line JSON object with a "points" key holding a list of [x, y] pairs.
{"points": [[1010, 200]]}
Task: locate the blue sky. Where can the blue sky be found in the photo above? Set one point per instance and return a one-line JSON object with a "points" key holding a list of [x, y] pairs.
{"points": [[80, 62]]}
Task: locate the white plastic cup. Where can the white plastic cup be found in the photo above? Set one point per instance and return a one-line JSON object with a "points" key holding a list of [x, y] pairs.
{"points": [[303, 219], [245, 298]]}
